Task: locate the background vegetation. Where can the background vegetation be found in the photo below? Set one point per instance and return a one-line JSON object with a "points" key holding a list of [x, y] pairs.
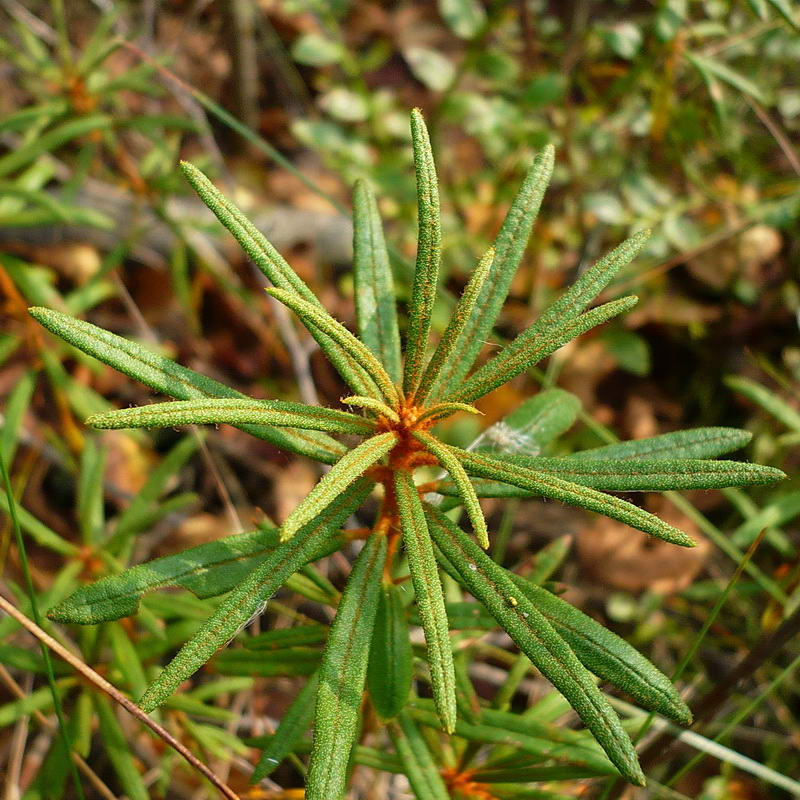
{"points": [[679, 116]]}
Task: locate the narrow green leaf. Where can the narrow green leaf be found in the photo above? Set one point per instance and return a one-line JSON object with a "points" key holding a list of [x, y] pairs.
{"points": [[293, 725], [441, 410], [282, 638], [374, 286], [314, 317], [292, 662], [464, 486], [693, 443], [15, 407], [342, 675], [607, 655], [509, 247], [530, 347], [429, 247], [643, 474], [728, 75], [484, 466], [391, 666], [534, 635], [91, 492], [419, 765], [249, 595], [344, 472], [116, 745], [548, 559], [533, 425], [232, 411], [169, 378], [768, 400], [460, 317], [429, 597], [371, 404]]}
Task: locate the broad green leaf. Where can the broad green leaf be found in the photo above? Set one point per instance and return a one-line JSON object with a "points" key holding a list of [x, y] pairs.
{"points": [[429, 597], [530, 347], [232, 411], [768, 400], [313, 316], [607, 655], [342, 675], [207, 570], [343, 473], [429, 253], [541, 484], [533, 425], [460, 316], [419, 764], [463, 485], [169, 378], [534, 635], [508, 246], [638, 474], [541, 739], [116, 745], [294, 723], [464, 17], [374, 285], [250, 595], [693, 443], [391, 664]]}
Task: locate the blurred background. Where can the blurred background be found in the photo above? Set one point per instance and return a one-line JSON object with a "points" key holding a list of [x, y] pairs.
{"points": [[682, 116]]}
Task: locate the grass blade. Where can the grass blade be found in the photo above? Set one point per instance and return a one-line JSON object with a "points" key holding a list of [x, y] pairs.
{"points": [[419, 765], [509, 247], [344, 472], [495, 588], [429, 597], [116, 745], [530, 347], [374, 286], [543, 485], [429, 247], [391, 662], [466, 491], [172, 379], [314, 317], [342, 675], [233, 411], [461, 316], [249, 595]]}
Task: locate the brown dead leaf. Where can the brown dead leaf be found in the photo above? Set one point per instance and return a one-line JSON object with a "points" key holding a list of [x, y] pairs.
{"points": [[626, 559]]}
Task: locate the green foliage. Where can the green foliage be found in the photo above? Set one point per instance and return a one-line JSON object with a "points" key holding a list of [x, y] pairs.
{"points": [[368, 643]]}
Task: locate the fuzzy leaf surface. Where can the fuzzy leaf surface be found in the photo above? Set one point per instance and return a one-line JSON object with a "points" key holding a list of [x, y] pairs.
{"points": [[249, 595], [172, 379], [694, 443], [429, 254], [374, 286], [232, 411], [530, 347], [509, 246], [534, 635], [342, 675], [429, 597], [391, 662], [343, 473], [544, 485]]}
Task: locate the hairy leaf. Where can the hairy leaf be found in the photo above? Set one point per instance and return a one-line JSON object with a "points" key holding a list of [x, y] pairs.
{"points": [[461, 315], [391, 666], [534, 635], [419, 764], [530, 347], [342, 675], [429, 597], [169, 378], [250, 594], [371, 404], [374, 286], [509, 247], [232, 412], [344, 472], [429, 247], [694, 443], [462, 483]]}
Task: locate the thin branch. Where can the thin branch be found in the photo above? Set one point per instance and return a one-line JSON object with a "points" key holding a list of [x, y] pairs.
{"points": [[101, 683]]}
